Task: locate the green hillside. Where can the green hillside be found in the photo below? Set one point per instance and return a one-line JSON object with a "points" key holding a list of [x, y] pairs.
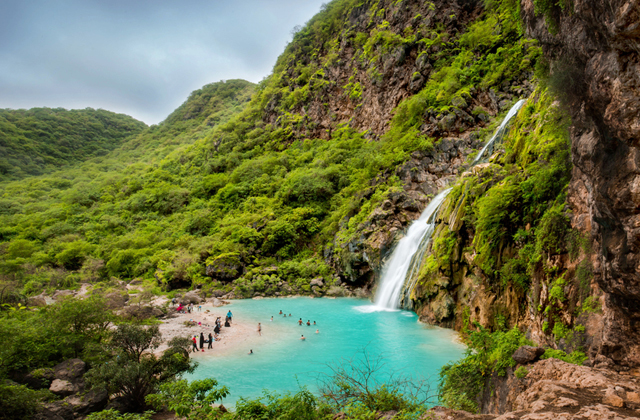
{"points": [[41, 140], [258, 191]]}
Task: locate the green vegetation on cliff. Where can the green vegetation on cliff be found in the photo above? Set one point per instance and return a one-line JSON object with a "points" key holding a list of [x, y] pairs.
{"points": [[42, 140], [196, 200]]}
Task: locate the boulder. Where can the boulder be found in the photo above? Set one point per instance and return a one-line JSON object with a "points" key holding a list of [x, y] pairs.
{"points": [[70, 370], [225, 267], [39, 378], [94, 400], [62, 387], [55, 411], [61, 294], [317, 282], [335, 291], [527, 354], [191, 297], [116, 300], [218, 293], [215, 302]]}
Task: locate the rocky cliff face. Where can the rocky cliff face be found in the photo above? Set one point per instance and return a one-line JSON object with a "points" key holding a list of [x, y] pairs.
{"points": [[361, 80], [595, 60], [552, 389]]}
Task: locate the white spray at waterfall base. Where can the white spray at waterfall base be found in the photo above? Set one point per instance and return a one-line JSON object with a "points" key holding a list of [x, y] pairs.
{"points": [[395, 271], [408, 253]]}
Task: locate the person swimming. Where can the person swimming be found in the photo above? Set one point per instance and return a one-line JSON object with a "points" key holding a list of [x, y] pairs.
{"points": [[317, 331], [250, 351], [314, 322]]}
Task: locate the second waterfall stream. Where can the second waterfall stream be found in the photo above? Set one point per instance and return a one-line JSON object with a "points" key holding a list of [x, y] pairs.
{"points": [[408, 253]]}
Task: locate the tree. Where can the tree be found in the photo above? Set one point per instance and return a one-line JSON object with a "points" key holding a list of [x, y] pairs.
{"points": [[192, 400], [357, 382], [135, 372]]}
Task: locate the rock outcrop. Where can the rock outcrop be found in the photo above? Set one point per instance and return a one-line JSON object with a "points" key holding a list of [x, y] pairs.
{"points": [[595, 61], [554, 389]]}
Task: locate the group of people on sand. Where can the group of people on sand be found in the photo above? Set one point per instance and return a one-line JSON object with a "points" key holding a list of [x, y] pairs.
{"points": [[204, 341], [212, 337], [185, 309]]}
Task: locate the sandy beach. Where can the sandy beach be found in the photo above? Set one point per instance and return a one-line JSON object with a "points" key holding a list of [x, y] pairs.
{"points": [[238, 338]]}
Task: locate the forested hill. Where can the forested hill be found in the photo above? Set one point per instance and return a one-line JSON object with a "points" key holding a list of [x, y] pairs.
{"points": [[40, 140], [290, 189]]}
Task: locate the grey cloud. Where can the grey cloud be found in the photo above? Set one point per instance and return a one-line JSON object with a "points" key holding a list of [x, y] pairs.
{"points": [[139, 57]]}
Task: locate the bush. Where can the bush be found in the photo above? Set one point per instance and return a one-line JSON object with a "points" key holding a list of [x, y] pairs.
{"points": [[462, 381], [134, 372], [17, 402], [521, 372]]}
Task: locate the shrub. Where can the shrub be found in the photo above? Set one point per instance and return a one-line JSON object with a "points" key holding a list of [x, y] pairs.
{"points": [[462, 381], [521, 372]]}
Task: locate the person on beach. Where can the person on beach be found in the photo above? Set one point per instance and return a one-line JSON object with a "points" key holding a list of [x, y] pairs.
{"points": [[226, 323], [259, 329], [216, 330], [230, 316], [195, 343], [173, 301], [211, 341], [200, 308], [300, 321], [308, 323], [202, 341], [302, 338]]}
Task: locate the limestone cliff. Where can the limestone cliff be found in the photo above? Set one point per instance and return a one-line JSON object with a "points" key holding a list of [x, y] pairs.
{"points": [[595, 57]]}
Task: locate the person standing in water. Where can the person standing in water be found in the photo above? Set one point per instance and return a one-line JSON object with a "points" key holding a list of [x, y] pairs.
{"points": [[259, 329], [280, 313], [250, 351], [230, 315], [302, 338], [271, 319], [300, 321], [308, 322], [317, 331]]}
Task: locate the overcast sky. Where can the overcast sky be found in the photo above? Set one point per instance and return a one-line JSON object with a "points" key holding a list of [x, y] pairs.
{"points": [[138, 57]]}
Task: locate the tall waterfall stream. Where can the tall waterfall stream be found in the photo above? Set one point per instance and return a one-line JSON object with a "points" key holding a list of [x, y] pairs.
{"points": [[406, 259]]}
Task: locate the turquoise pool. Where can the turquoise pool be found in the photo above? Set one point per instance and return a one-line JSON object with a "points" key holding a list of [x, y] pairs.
{"points": [[282, 362]]}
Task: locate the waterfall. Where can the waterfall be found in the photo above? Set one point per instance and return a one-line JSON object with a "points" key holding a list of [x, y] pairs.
{"points": [[500, 130], [406, 258], [395, 271]]}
